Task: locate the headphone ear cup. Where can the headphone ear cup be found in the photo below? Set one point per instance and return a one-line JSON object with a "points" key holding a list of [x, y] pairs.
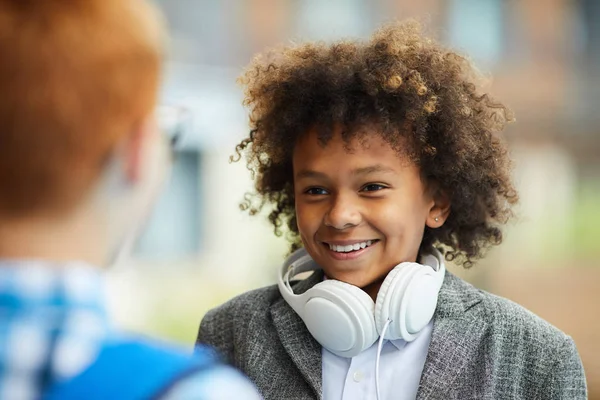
{"points": [[390, 298], [340, 317], [419, 302], [380, 315]]}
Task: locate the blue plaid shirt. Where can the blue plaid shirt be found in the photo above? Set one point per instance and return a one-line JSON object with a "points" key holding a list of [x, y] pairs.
{"points": [[53, 323]]}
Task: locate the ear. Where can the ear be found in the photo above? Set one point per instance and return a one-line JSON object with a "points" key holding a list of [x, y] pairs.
{"points": [[439, 210], [134, 149]]}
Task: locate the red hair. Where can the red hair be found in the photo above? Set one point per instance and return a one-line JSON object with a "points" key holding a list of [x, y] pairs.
{"points": [[76, 76]]}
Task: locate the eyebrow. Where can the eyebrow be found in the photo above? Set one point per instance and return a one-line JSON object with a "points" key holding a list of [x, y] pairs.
{"points": [[372, 169], [307, 173]]}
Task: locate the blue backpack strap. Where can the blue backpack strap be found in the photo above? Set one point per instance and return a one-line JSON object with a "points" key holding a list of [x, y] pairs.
{"points": [[132, 371]]}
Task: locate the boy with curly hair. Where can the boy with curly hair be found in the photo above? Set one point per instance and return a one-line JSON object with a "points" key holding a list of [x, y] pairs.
{"points": [[376, 155]]}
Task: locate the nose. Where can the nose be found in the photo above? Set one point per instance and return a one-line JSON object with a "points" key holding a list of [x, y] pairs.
{"points": [[343, 213]]}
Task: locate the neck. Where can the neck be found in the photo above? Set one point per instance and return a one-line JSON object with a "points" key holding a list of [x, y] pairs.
{"points": [[373, 288], [77, 236]]}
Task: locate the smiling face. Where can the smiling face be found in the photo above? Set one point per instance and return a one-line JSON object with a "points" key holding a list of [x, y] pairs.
{"points": [[361, 207]]}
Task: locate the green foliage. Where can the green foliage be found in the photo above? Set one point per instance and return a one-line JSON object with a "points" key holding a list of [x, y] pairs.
{"points": [[585, 237]]}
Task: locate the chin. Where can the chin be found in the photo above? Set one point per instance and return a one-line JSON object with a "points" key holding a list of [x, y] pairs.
{"points": [[353, 277]]}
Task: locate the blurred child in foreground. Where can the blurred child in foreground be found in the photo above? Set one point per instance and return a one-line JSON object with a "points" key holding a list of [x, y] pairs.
{"points": [[81, 162]]}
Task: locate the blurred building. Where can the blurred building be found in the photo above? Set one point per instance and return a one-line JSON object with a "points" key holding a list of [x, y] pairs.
{"points": [[544, 57]]}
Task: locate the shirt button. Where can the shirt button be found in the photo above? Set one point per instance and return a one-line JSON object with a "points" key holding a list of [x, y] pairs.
{"points": [[357, 376]]}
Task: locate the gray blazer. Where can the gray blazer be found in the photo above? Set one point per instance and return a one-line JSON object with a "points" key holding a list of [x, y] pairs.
{"points": [[482, 347]]}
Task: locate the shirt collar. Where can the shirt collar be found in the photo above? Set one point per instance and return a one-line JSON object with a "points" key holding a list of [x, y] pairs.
{"points": [[398, 343]]}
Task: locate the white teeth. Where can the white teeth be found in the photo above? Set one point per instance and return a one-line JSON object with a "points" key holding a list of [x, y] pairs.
{"points": [[350, 247]]}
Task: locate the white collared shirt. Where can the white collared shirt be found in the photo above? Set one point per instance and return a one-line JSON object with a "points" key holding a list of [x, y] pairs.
{"points": [[400, 367]]}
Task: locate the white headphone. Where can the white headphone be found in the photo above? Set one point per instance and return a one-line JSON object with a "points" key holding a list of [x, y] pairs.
{"points": [[344, 319]]}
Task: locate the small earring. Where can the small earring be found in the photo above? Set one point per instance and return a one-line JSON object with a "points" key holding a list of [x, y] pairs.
{"points": [[436, 219]]}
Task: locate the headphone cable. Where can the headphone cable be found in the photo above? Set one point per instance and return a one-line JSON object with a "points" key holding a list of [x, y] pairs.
{"points": [[379, 347]]}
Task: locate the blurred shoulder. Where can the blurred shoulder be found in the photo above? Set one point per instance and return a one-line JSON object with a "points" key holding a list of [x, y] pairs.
{"points": [[540, 357], [253, 302], [512, 321], [232, 322], [506, 319]]}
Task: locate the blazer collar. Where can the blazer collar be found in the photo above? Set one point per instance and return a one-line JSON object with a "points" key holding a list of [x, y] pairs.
{"points": [[458, 327], [303, 349]]}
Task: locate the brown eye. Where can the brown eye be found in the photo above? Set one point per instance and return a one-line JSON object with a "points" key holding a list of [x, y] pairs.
{"points": [[373, 187], [316, 191]]}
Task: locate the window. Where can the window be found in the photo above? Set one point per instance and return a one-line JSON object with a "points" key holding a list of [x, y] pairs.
{"points": [[333, 19], [476, 27], [173, 231], [590, 13]]}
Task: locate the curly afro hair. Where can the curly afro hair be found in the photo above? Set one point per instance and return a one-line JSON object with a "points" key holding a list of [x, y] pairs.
{"points": [[424, 100]]}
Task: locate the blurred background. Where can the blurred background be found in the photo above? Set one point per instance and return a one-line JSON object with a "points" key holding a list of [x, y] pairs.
{"points": [[199, 249]]}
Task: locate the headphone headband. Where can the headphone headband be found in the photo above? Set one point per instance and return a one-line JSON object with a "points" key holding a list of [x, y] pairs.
{"points": [[299, 261]]}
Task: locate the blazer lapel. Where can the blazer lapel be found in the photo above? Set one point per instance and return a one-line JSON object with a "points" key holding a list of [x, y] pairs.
{"points": [[457, 331], [303, 349]]}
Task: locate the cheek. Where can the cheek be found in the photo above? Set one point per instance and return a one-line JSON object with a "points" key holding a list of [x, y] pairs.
{"points": [[388, 213], [307, 219], [396, 218]]}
